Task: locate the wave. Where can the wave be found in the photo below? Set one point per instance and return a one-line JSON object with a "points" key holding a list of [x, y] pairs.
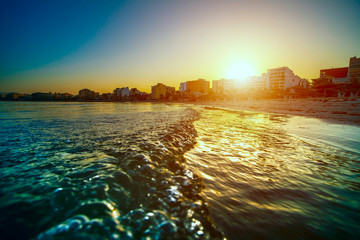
{"points": [[139, 187]]}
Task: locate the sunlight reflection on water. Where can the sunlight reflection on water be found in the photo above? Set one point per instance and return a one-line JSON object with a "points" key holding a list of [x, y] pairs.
{"points": [[274, 176]]}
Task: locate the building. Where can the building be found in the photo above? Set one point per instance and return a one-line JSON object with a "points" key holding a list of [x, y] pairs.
{"points": [[161, 91], [66, 96], [183, 87], [158, 91], [284, 78], [257, 82], [134, 91], [170, 92], [12, 96], [223, 86], [121, 93], [3, 95], [106, 96], [335, 75], [354, 70], [87, 94], [196, 87], [136, 95]]}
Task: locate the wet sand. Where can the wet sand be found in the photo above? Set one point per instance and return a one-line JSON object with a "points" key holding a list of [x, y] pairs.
{"points": [[335, 110]]}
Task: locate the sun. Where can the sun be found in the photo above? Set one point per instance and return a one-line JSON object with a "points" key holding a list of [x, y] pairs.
{"points": [[240, 71]]}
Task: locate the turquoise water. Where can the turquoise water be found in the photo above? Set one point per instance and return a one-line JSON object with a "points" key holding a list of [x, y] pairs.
{"points": [[157, 171], [99, 171]]}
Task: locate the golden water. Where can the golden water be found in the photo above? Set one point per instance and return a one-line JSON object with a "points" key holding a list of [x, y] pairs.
{"points": [[274, 177]]}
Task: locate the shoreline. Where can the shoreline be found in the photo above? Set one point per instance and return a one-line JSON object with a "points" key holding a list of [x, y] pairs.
{"points": [[332, 110]]}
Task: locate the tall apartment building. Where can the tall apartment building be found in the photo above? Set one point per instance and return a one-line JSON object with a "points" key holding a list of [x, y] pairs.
{"points": [[258, 82], [223, 86], [196, 87], [161, 91], [283, 78], [354, 70]]}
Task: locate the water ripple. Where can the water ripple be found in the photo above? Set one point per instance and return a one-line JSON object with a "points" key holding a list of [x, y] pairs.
{"points": [[266, 181]]}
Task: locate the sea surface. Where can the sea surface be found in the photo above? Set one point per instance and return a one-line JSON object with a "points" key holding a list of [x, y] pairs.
{"points": [[174, 171]]}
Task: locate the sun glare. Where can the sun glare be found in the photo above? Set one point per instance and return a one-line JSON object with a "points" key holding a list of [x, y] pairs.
{"points": [[240, 71]]}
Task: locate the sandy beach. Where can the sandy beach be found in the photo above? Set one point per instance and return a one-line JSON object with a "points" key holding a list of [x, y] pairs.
{"points": [[335, 110]]}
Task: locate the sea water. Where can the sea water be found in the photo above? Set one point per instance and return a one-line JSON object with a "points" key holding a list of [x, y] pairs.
{"points": [[271, 176], [160, 171], [99, 171]]}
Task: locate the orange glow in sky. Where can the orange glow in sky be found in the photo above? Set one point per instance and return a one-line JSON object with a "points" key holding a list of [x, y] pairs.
{"points": [[140, 43]]}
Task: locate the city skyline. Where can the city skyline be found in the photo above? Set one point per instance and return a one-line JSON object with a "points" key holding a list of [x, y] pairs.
{"points": [[64, 46]]}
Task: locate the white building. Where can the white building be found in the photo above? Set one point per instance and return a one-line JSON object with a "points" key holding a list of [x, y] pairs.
{"points": [[223, 86], [183, 87], [258, 82], [283, 78], [122, 92]]}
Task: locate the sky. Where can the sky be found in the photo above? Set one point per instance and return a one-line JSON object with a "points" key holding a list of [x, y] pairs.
{"points": [[65, 45]]}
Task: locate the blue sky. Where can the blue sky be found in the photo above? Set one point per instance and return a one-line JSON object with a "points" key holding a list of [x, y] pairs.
{"points": [[36, 33], [68, 45]]}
